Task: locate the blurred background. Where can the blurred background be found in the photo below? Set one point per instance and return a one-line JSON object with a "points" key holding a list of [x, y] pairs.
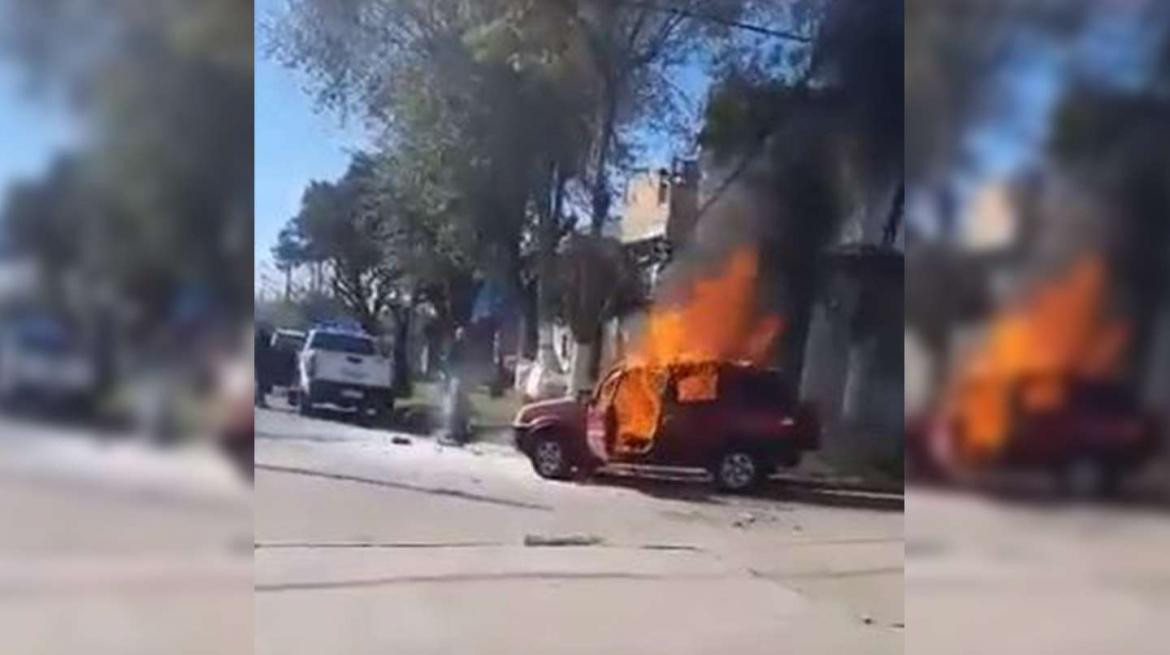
{"points": [[125, 311], [1037, 343]]}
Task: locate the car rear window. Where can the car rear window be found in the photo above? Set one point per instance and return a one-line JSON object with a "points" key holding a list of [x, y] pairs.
{"points": [[759, 389], [343, 343], [288, 342]]}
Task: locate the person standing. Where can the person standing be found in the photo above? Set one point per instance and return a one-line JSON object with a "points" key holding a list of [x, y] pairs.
{"points": [[457, 410], [262, 359]]}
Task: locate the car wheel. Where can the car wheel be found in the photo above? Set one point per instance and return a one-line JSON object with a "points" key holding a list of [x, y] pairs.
{"points": [[737, 470], [1088, 477], [549, 458]]}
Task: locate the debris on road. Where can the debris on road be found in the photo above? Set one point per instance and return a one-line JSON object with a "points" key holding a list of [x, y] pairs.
{"points": [[745, 519], [532, 540], [671, 547], [401, 441]]}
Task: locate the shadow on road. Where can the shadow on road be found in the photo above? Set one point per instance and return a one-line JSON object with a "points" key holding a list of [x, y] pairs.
{"points": [[697, 489], [1033, 492], [438, 491]]}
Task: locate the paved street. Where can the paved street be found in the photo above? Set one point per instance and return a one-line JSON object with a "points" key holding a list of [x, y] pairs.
{"points": [[986, 576], [114, 547], [364, 545]]}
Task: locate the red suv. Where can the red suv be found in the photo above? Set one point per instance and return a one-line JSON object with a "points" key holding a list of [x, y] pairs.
{"points": [[737, 421], [1091, 442]]}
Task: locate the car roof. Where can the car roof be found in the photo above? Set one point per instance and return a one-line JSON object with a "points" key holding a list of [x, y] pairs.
{"points": [[735, 365]]}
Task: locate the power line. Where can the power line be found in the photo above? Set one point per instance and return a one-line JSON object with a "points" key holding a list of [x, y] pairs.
{"points": [[695, 15]]}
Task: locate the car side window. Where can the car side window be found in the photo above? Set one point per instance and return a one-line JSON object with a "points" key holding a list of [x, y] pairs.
{"points": [[764, 391]]}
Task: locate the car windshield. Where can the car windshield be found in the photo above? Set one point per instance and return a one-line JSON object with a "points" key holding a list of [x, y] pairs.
{"points": [[344, 343]]}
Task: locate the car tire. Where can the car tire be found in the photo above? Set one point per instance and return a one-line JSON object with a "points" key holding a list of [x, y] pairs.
{"points": [[550, 458], [738, 470], [1087, 477]]}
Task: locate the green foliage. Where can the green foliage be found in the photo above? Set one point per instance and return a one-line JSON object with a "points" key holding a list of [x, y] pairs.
{"points": [[165, 89]]}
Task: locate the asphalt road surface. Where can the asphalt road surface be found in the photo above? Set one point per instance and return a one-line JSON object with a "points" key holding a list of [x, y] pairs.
{"points": [[994, 574], [369, 542], [110, 546]]}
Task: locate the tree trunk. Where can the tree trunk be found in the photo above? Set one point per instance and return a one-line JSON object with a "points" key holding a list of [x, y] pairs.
{"points": [[549, 210], [402, 378], [600, 190], [580, 377], [802, 285]]}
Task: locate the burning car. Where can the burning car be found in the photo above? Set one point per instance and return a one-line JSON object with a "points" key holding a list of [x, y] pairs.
{"points": [[736, 420], [1044, 392], [1090, 441]]}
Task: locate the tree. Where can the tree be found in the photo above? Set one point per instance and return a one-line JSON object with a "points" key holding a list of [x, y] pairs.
{"points": [[951, 66], [486, 121], [289, 253], [1110, 141], [597, 282], [809, 144], [343, 224], [43, 220], [166, 91]]}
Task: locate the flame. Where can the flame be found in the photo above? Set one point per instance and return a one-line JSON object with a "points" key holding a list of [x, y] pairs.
{"points": [[719, 321], [1034, 351]]}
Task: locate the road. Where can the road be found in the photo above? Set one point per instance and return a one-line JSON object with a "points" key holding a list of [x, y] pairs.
{"points": [[110, 546], [368, 542], [997, 575]]}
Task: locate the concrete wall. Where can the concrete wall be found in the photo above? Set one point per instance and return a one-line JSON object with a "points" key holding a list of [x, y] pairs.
{"points": [[853, 368]]}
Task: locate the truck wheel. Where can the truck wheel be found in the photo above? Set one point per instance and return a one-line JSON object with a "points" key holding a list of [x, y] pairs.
{"points": [[737, 470], [305, 404], [549, 458]]}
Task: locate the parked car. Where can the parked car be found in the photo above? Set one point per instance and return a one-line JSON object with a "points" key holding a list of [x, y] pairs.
{"points": [[42, 362], [343, 368], [736, 421], [1090, 442]]}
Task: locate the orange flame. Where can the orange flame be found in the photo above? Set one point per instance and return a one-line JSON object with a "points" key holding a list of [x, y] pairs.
{"points": [[718, 322], [1057, 335]]}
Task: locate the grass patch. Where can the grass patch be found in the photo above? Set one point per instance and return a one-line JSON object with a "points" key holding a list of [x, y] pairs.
{"points": [[421, 412]]}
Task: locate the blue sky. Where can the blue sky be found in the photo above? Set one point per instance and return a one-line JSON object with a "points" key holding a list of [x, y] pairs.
{"points": [[295, 143], [32, 130]]}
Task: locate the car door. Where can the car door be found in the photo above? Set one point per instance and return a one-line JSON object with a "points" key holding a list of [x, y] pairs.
{"points": [[689, 433]]}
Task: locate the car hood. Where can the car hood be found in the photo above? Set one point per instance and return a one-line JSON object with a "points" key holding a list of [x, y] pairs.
{"points": [[558, 408]]}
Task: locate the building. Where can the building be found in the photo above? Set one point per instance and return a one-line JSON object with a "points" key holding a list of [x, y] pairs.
{"points": [[660, 208], [853, 355]]}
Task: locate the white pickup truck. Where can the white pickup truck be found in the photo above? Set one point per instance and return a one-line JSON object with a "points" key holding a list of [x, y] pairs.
{"points": [[41, 362], [343, 369]]}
